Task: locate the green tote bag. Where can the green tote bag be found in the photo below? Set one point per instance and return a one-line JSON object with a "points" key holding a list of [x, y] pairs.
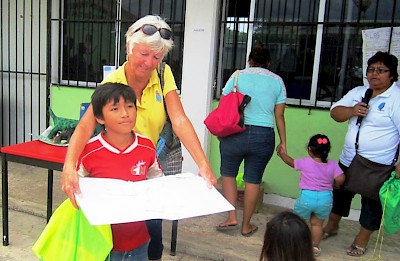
{"points": [[390, 199], [70, 237]]}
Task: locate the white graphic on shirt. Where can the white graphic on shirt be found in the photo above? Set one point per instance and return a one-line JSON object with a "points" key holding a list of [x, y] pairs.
{"points": [[139, 169]]}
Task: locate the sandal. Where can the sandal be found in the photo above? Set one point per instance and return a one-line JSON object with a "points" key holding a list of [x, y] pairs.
{"points": [[317, 251], [355, 250]]}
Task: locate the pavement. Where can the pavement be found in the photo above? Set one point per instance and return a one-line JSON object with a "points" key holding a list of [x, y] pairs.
{"points": [[197, 237]]}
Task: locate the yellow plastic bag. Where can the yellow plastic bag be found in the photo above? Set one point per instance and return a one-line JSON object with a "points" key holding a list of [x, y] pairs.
{"points": [[70, 237]]}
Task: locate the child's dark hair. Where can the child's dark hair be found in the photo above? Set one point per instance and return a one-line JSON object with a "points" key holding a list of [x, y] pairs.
{"points": [[107, 92], [320, 146], [260, 55], [287, 238]]}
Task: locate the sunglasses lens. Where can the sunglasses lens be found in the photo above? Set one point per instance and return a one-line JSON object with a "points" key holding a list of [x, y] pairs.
{"points": [[165, 33], [149, 29]]}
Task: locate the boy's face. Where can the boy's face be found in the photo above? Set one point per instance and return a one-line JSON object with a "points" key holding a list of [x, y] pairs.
{"points": [[119, 118]]}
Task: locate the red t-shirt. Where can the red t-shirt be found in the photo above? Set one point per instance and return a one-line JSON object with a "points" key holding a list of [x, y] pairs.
{"points": [[137, 162]]}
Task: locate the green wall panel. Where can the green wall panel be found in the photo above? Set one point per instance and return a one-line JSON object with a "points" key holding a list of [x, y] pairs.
{"points": [[65, 101], [301, 124]]}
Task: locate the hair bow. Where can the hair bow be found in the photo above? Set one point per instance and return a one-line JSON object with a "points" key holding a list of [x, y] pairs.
{"points": [[322, 141]]}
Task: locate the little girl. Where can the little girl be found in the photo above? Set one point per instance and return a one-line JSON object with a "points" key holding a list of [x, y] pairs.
{"points": [[317, 177]]}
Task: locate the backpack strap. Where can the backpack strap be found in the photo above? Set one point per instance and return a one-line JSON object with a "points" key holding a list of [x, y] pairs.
{"points": [[160, 72]]}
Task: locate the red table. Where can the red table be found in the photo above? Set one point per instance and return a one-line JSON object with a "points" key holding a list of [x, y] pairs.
{"points": [[33, 153]]}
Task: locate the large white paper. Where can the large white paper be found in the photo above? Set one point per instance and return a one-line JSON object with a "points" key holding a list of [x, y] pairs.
{"points": [[111, 201]]}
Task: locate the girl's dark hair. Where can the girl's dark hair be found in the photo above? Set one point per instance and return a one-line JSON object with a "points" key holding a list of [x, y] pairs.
{"points": [[107, 92], [260, 56], [320, 146], [387, 59], [287, 238]]}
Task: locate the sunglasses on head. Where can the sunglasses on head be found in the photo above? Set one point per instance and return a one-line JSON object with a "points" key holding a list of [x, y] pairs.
{"points": [[149, 29]]}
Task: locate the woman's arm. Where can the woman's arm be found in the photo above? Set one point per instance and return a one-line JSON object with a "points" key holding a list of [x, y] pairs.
{"points": [[186, 133], [343, 113], [81, 135], [281, 125]]}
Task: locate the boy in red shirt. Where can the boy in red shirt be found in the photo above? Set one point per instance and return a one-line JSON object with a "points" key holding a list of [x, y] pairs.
{"points": [[118, 152]]}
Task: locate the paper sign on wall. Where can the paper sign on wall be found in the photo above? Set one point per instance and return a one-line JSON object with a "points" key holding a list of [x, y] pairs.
{"points": [[378, 39]]}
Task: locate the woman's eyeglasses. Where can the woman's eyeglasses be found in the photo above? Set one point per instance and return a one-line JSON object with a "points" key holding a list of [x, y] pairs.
{"points": [[378, 70], [149, 29]]}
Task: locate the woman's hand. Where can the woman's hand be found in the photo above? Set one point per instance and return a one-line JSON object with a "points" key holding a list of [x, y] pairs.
{"points": [[360, 109], [208, 176], [82, 133], [70, 184], [281, 149]]}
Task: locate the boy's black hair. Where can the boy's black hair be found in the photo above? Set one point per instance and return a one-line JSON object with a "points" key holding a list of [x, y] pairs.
{"points": [[387, 59], [107, 92], [320, 146]]}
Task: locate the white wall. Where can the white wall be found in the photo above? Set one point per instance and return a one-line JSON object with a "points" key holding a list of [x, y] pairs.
{"points": [[201, 23]]}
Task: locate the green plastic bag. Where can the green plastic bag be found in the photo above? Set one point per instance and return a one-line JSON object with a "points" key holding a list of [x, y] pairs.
{"points": [[390, 199], [239, 180], [69, 237]]}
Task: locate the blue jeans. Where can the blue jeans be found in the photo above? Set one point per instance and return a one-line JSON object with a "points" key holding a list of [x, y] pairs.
{"points": [[255, 146], [137, 254]]}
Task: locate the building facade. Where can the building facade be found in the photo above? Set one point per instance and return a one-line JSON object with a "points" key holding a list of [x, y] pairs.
{"points": [[316, 47]]}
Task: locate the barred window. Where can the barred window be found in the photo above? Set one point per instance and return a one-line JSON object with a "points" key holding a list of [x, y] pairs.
{"points": [[315, 45], [92, 33]]}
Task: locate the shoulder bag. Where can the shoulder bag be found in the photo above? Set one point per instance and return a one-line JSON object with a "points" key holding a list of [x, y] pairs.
{"points": [[228, 118], [366, 177], [169, 149]]}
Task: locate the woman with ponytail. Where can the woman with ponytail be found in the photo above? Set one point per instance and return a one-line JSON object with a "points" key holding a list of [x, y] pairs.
{"points": [[255, 146], [318, 176]]}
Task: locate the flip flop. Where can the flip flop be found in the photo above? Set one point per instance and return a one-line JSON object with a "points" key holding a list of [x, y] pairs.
{"points": [[355, 250], [227, 227], [248, 234], [327, 235]]}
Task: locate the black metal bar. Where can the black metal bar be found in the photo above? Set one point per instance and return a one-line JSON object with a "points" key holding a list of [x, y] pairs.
{"points": [[4, 198], [1, 78], [49, 193], [23, 123], [16, 76], [174, 236], [31, 67]]}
